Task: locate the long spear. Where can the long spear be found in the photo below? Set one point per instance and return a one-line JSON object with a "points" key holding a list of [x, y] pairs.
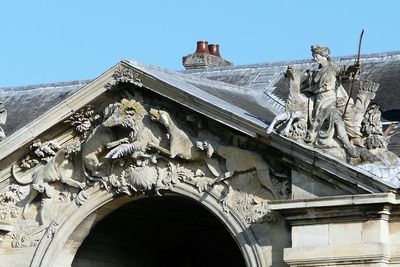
{"points": [[357, 64]]}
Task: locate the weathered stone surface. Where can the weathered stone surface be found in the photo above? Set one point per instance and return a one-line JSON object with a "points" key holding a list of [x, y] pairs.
{"points": [[123, 144], [344, 233], [310, 235], [139, 131], [320, 113], [304, 187], [354, 231]]}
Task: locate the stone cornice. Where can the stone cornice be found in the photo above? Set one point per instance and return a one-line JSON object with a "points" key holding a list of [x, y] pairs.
{"points": [[316, 163], [367, 253], [336, 209]]}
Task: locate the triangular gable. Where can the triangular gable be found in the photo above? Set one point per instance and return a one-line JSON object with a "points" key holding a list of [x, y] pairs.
{"points": [[174, 87], [187, 91]]}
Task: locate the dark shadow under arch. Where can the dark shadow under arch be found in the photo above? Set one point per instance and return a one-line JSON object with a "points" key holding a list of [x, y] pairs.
{"points": [[160, 231]]}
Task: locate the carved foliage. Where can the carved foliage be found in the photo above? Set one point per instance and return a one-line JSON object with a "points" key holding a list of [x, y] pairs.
{"points": [[23, 239], [8, 200], [124, 75], [371, 128], [40, 152], [83, 120]]}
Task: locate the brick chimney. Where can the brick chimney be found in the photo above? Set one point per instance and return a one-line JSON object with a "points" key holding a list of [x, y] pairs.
{"points": [[206, 56]]}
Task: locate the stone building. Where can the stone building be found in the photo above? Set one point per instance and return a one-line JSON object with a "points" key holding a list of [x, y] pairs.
{"points": [[144, 166]]}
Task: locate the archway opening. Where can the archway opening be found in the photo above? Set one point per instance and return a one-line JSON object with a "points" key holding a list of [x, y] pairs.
{"points": [[160, 231]]}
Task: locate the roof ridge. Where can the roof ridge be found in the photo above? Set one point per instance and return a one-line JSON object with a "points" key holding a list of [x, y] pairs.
{"points": [[289, 62], [44, 85], [189, 78]]}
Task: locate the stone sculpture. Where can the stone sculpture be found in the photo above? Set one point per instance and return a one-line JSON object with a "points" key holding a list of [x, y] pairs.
{"points": [[237, 160], [83, 120], [365, 94], [124, 75], [182, 145], [58, 168], [133, 148], [240, 160], [329, 100], [296, 108], [329, 126], [94, 148], [372, 128]]}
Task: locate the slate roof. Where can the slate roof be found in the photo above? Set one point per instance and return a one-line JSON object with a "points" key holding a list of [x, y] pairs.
{"points": [[259, 91], [26, 103], [231, 98], [383, 68], [268, 79]]}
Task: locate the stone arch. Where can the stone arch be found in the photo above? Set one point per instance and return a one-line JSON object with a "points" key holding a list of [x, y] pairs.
{"points": [[49, 250]]}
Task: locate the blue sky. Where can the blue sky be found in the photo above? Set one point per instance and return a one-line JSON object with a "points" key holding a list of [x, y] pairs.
{"points": [[53, 41]]}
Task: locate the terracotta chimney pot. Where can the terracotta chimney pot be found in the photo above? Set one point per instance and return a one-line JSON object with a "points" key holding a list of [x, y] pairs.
{"points": [[214, 50], [205, 57], [202, 47]]}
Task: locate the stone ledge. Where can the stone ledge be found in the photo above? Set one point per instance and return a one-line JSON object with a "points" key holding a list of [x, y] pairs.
{"points": [[321, 164], [351, 254], [348, 200], [395, 253], [336, 209]]}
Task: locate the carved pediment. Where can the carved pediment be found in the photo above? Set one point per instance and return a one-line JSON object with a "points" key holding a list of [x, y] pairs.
{"points": [[131, 134], [135, 142]]}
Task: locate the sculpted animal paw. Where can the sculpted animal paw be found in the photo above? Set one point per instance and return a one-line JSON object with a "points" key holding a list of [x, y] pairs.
{"points": [[82, 185], [124, 140], [202, 184]]}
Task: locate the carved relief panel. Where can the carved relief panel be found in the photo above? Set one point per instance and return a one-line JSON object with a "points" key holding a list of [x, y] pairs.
{"points": [[137, 144]]}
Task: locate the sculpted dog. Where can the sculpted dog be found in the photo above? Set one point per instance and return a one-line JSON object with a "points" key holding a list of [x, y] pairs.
{"points": [[237, 160], [59, 168], [240, 160]]}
